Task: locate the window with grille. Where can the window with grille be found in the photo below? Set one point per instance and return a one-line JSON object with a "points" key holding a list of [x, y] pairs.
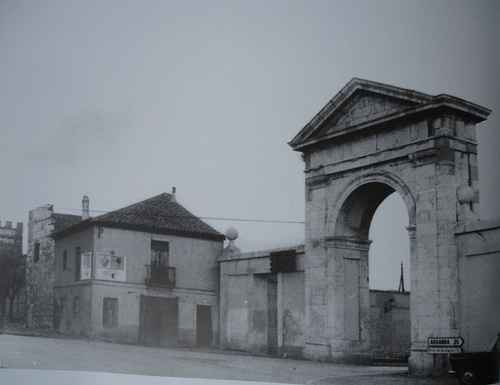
{"points": [[160, 253]]}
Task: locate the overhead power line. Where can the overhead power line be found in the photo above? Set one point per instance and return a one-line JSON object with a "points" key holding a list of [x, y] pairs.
{"points": [[252, 220], [235, 219]]}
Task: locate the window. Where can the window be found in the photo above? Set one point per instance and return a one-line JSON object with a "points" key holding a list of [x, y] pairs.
{"points": [[283, 261], [65, 260], [86, 270], [36, 252], [160, 253], [78, 262], [110, 312], [432, 124], [76, 306]]}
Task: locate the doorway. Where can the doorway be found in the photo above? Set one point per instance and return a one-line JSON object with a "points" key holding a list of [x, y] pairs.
{"points": [[158, 321], [203, 325]]}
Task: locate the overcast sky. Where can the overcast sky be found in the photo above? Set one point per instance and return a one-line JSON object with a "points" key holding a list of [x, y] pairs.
{"points": [[122, 100]]}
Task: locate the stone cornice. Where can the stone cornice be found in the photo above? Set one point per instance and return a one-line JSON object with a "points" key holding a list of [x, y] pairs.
{"points": [[317, 180], [478, 226], [409, 152], [347, 243], [389, 118], [136, 286], [472, 147]]}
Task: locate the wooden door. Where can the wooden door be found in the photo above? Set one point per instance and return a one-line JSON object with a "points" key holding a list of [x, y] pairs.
{"points": [[158, 321], [203, 325]]}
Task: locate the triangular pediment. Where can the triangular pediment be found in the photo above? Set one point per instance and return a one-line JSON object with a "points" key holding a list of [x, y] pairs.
{"points": [[359, 102], [362, 107], [363, 104]]}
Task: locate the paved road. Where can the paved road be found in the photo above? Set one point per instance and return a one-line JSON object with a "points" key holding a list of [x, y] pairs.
{"points": [[65, 354]]}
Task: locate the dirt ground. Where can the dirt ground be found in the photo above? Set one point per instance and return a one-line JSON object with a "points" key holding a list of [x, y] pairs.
{"points": [[38, 352]]}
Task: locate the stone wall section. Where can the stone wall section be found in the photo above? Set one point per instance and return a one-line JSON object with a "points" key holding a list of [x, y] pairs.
{"points": [[479, 273], [245, 306], [390, 324], [40, 273]]}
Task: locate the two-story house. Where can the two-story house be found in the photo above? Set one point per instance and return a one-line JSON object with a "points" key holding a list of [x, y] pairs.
{"points": [[145, 273]]}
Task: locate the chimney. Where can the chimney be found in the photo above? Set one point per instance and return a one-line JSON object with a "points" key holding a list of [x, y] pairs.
{"points": [[85, 207], [173, 194]]}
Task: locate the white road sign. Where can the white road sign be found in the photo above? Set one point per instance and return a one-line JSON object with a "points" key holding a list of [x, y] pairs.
{"points": [[437, 345]]}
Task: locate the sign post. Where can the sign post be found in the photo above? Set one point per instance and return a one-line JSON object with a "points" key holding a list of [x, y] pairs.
{"points": [[444, 345]]}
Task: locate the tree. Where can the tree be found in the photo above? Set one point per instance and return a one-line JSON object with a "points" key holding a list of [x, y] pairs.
{"points": [[12, 281]]}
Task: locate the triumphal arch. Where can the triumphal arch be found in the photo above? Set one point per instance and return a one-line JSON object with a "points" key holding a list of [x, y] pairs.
{"points": [[369, 141]]}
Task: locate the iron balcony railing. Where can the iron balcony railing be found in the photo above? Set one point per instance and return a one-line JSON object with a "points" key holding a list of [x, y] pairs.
{"points": [[160, 275]]}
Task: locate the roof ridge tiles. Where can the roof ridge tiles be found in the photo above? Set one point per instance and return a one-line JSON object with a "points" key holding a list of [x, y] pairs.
{"points": [[157, 214]]}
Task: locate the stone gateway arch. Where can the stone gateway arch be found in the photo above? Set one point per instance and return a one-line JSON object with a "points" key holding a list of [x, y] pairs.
{"points": [[369, 141]]}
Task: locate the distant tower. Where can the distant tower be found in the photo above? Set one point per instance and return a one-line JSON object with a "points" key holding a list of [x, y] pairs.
{"points": [[401, 288], [85, 207]]}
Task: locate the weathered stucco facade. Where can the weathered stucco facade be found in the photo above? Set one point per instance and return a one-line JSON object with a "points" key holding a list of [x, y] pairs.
{"points": [[163, 312], [369, 141]]}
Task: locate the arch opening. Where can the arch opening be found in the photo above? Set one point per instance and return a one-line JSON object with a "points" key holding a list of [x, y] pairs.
{"points": [[358, 209], [389, 253], [372, 220]]}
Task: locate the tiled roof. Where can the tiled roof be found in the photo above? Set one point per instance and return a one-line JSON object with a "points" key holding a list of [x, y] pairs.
{"points": [[62, 221], [159, 214]]}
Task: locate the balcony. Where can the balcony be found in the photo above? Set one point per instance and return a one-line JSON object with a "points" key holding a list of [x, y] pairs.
{"points": [[160, 276]]}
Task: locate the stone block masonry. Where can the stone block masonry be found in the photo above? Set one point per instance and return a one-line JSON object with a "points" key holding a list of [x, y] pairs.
{"points": [[41, 264], [40, 272], [369, 141]]}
